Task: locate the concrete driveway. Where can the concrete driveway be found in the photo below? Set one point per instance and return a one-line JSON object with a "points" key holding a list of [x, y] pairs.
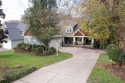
{"points": [[74, 70]]}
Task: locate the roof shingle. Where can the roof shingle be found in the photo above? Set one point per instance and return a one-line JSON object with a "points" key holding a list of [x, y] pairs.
{"points": [[14, 33]]}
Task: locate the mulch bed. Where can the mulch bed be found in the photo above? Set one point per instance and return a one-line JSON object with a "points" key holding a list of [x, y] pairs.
{"points": [[117, 71], [33, 52]]}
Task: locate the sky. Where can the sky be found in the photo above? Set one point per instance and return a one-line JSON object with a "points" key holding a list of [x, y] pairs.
{"points": [[14, 9]]}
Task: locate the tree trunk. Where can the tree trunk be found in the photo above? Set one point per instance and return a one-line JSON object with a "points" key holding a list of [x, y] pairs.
{"points": [[117, 21], [119, 33], [46, 48]]}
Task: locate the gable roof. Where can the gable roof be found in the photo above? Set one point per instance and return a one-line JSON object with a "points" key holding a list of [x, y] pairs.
{"points": [[78, 33], [67, 23], [14, 30], [62, 26], [14, 34], [64, 23], [22, 27], [11, 25]]}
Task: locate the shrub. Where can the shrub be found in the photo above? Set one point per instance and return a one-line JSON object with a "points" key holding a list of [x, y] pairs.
{"points": [[52, 50], [113, 52], [43, 47], [13, 75], [38, 46], [122, 56], [22, 47], [19, 45], [38, 50], [29, 47], [34, 47], [23, 44]]}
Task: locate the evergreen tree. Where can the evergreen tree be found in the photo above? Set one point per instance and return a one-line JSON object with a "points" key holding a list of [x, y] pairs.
{"points": [[3, 34]]}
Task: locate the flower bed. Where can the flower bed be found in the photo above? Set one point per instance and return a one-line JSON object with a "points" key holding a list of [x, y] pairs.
{"points": [[34, 49]]}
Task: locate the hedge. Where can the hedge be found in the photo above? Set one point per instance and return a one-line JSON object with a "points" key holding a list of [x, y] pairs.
{"points": [[13, 75]]}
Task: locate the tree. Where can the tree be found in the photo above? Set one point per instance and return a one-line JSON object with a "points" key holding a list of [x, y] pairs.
{"points": [[43, 20], [105, 19], [25, 16], [3, 34]]}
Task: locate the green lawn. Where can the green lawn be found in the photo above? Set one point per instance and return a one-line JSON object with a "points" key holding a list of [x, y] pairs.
{"points": [[28, 60], [100, 74]]}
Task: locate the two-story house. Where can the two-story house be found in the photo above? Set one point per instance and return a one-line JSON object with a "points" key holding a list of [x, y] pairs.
{"points": [[73, 35], [70, 34]]}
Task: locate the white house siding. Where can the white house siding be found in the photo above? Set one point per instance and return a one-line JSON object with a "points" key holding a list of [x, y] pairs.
{"points": [[14, 43], [11, 44], [31, 40], [7, 45], [54, 43]]}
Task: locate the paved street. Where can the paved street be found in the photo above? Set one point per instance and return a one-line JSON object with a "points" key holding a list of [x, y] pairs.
{"points": [[74, 70]]}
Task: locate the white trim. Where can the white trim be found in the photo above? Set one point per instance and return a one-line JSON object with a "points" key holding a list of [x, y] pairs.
{"points": [[82, 39], [79, 31], [76, 36], [79, 36], [74, 40], [68, 36]]}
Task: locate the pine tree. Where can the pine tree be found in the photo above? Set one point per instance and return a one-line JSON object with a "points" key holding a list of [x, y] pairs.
{"points": [[3, 34]]}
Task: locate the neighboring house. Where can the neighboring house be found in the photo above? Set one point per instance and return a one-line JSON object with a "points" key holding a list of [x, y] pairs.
{"points": [[15, 34], [69, 35], [29, 39], [22, 27]]}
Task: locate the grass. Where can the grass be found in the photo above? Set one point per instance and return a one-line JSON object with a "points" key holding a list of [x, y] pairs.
{"points": [[100, 74], [29, 60], [11, 59]]}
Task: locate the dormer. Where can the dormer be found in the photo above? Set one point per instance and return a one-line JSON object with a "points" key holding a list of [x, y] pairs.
{"points": [[69, 29]]}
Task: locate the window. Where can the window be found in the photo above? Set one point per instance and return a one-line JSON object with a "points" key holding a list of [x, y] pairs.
{"points": [[69, 29]]}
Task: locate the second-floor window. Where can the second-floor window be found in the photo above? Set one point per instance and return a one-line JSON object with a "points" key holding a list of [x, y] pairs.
{"points": [[69, 30]]}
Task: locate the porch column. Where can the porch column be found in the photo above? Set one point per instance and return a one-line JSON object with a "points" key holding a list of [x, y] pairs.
{"points": [[92, 41], [74, 40], [82, 41], [63, 41]]}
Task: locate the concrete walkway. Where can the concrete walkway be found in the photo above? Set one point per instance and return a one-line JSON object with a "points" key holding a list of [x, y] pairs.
{"points": [[74, 70]]}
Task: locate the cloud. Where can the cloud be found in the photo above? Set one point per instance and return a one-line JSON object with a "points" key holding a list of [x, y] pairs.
{"points": [[14, 8]]}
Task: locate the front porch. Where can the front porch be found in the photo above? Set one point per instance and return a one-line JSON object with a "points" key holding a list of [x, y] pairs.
{"points": [[78, 41]]}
